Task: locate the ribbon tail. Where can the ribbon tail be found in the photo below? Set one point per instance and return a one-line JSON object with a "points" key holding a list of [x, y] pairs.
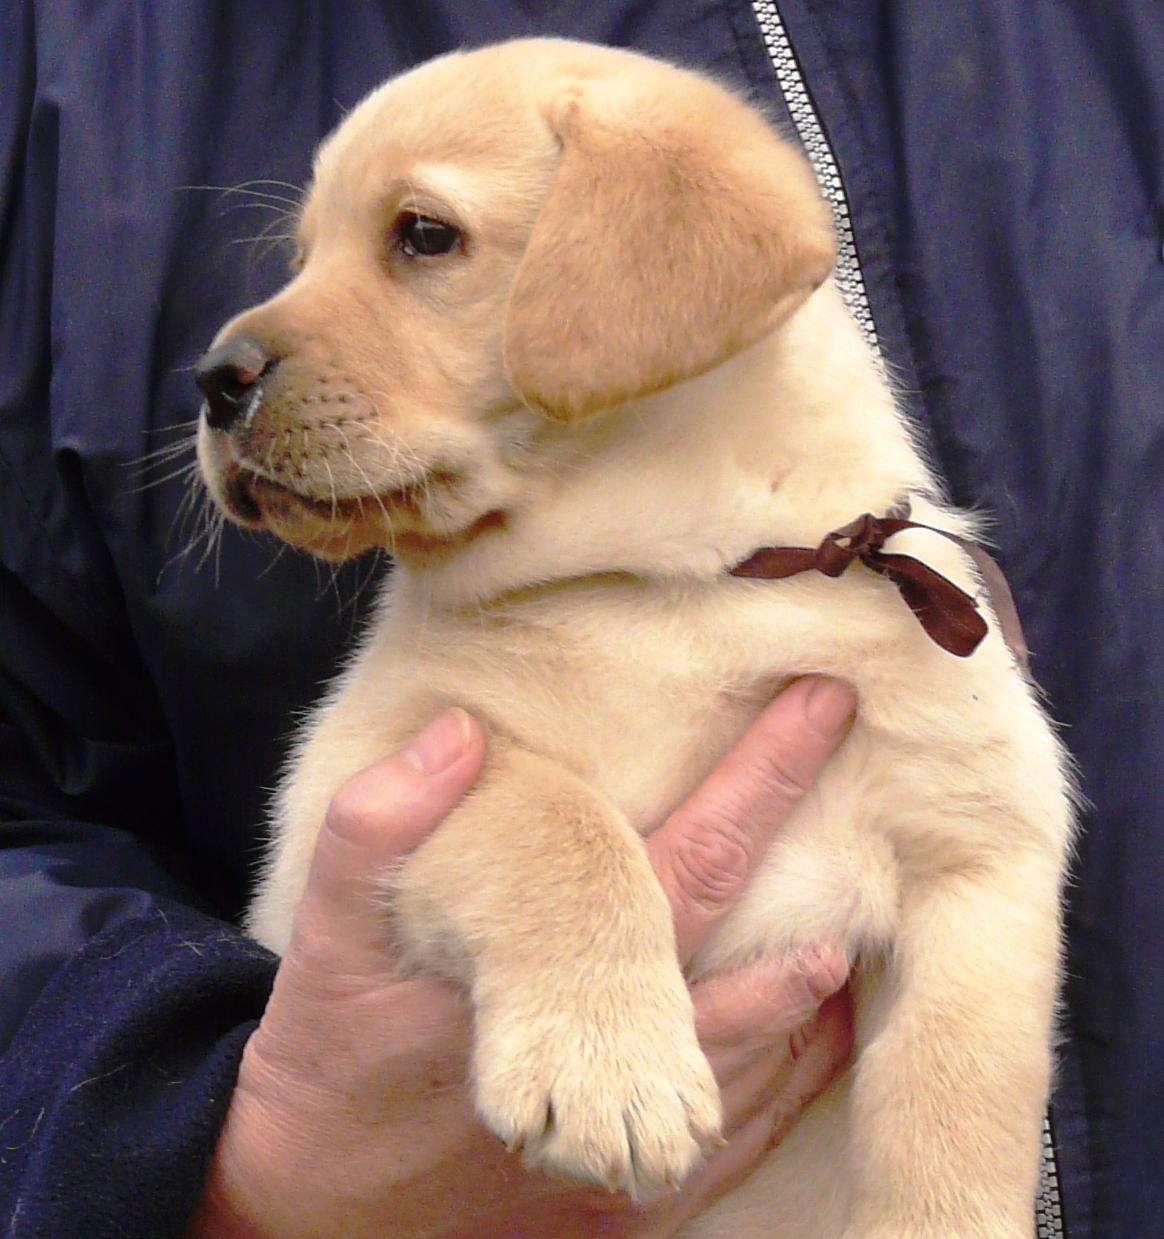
{"points": [[993, 578], [1002, 600], [948, 614]]}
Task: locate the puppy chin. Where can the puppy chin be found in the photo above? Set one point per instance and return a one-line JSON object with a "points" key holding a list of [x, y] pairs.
{"points": [[339, 540], [334, 541], [250, 501]]}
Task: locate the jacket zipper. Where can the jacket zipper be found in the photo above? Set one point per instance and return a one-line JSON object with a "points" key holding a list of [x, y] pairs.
{"points": [[847, 272], [851, 283], [1048, 1205]]}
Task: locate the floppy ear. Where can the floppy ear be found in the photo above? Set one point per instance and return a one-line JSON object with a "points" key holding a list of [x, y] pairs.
{"points": [[677, 230]]}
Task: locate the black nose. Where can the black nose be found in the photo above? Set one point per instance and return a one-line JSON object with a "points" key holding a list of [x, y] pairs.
{"points": [[227, 376]]}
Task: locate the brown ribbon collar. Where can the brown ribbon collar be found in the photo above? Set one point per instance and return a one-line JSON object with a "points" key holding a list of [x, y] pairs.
{"points": [[948, 614]]}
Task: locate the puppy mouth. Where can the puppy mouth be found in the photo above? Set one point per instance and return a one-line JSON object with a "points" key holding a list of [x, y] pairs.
{"points": [[255, 500], [339, 529]]}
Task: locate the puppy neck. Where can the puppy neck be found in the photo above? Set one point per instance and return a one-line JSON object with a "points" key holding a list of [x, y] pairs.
{"points": [[788, 439]]}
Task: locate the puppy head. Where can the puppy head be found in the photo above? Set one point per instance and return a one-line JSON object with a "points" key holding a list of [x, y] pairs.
{"points": [[496, 245]]}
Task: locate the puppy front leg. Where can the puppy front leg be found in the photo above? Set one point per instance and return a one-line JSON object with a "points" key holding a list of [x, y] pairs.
{"points": [[951, 1084], [540, 896]]}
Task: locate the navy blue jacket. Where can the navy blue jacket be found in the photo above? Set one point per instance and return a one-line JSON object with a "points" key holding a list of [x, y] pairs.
{"points": [[996, 172]]}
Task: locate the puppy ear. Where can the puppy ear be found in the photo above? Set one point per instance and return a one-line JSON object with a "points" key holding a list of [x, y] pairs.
{"points": [[678, 229]]}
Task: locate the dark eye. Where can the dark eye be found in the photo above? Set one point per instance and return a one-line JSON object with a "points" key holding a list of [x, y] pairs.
{"points": [[421, 236]]}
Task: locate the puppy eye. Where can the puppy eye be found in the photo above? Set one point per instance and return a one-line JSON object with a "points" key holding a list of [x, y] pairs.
{"points": [[421, 236]]}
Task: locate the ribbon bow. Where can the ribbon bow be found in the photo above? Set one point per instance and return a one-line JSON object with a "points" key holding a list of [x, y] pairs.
{"points": [[948, 614]]}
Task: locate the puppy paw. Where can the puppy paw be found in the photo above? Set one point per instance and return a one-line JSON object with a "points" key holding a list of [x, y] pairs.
{"points": [[626, 1101]]}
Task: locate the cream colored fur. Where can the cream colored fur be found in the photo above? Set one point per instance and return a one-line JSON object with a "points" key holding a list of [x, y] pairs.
{"points": [[632, 373]]}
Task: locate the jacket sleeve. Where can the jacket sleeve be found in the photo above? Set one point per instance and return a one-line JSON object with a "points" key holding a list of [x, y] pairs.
{"points": [[124, 1002], [116, 1083]]}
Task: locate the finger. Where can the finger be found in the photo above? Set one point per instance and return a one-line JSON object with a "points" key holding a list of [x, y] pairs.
{"points": [[374, 820], [705, 852], [757, 1114], [821, 1051], [755, 1121], [783, 1077], [761, 1005], [723, 1171], [604, 1213]]}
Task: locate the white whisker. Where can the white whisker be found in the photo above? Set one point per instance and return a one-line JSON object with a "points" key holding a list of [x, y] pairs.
{"points": [[186, 471]]}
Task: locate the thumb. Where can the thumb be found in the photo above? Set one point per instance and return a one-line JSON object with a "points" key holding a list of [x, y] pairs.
{"points": [[372, 823]]}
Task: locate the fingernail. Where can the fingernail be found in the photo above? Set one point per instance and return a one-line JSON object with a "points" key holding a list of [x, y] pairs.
{"points": [[440, 744], [828, 704]]}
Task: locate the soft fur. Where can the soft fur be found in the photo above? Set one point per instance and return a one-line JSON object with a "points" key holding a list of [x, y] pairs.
{"points": [[634, 371]]}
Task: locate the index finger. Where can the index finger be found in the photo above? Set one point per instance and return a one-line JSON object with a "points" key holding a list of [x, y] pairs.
{"points": [[708, 848]]}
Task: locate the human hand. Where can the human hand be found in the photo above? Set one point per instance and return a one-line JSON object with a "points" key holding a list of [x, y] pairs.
{"points": [[352, 1114]]}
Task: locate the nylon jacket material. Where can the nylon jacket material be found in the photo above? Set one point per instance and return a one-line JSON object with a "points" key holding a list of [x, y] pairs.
{"points": [[1000, 168]]}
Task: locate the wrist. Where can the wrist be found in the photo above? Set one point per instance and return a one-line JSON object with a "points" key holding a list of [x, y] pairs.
{"points": [[233, 1204], [219, 1215], [262, 1180]]}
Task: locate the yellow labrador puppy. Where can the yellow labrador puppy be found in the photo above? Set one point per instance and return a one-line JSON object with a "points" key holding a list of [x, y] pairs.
{"points": [[563, 338]]}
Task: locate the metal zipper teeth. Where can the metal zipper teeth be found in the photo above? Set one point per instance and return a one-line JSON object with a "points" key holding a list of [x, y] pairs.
{"points": [[816, 146], [850, 281], [1048, 1205]]}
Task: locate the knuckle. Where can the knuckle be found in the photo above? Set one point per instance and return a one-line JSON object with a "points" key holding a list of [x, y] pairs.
{"points": [[778, 783], [710, 863], [353, 811]]}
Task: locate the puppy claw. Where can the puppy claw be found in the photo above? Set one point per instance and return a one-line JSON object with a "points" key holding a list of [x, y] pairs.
{"points": [[630, 1109]]}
